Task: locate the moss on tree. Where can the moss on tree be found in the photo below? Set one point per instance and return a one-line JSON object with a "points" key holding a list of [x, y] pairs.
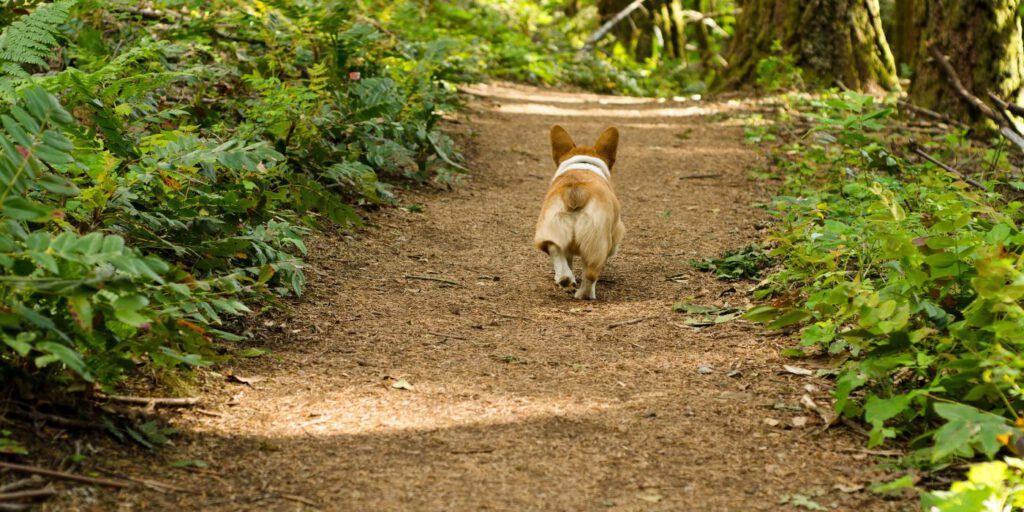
{"points": [[833, 41]]}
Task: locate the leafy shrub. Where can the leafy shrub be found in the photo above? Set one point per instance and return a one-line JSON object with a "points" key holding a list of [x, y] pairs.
{"points": [[909, 270], [745, 263], [163, 178], [778, 72]]}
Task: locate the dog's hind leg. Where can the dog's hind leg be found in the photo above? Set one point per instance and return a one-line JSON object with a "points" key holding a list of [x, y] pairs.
{"points": [[591, 273], [563, 269]]}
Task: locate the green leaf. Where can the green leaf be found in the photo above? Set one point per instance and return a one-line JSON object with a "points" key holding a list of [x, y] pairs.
{"points": [[903, 482], [64, 354], [253, 352], [57, 185], [878, 410], [967, 429], [761, 314], [788, 318], [19, 208], [126, 309], [693, 308]]}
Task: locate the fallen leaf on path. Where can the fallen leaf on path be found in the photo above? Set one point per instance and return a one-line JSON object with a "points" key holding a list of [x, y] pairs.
{"points": [[704, 370], [848, 488], [402, 384], [799, 500], [253, 352], [653, 498], [248, 381], [796, 370], [694, 308], [826, 415], [771, 422], [799, 421]]}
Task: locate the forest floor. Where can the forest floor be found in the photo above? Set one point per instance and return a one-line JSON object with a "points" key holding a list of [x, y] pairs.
{"points": [[520, 397]]}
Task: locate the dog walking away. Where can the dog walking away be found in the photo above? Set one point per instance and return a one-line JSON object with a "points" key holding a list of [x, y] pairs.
{"points": [[580, 215]]}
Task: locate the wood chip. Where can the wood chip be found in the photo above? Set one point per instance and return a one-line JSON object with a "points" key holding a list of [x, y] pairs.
{"points": [[796, 370]]}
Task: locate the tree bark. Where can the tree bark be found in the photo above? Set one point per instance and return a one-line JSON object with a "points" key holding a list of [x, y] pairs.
{"points": [[833, 41], [908, 18], [982, 40]]}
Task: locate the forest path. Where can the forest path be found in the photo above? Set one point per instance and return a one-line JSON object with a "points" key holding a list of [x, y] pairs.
{"points": [[523, 398]]}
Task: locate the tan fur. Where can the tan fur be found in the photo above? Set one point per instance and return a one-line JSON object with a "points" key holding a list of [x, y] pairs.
{"points": [[580, 215]]}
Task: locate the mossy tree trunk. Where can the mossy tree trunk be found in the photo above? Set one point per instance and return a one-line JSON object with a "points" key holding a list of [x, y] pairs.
{"points": [[833, 41], [981, 39], [908, 18]]}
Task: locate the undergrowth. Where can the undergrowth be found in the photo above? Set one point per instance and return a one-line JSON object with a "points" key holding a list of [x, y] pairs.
{"points": [[911, 275], [160, 171]]}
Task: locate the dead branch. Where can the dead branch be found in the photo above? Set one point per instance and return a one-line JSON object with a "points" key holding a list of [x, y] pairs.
{"points": [[1009, 131], [699, 176], [443, 335], [155, 401], [609, 25], [152, 484], [954, 80], [33, 470], [963, 177], [506, 315], [56, 420], [930, 113], [631, 322], [32, 481], [45, 492]]}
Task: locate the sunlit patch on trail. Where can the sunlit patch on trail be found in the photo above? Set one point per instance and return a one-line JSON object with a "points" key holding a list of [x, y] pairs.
{"points": [[362, 412], [551, 110]]}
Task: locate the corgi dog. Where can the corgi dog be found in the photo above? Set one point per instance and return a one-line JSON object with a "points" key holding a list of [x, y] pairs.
{"points": [[580, 215]]}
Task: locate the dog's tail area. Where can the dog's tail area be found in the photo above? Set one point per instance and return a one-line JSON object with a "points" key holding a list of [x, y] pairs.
{"points": [[575, 198]]}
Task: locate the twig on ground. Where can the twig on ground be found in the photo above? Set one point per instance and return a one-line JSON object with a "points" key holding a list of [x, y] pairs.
{"points": [[152, 484], [930, 113], [205, 412], [31, 481], [631, 322], [45, 492], [147, 400], [959, 174], [855, 427], [443, 335], [506, 315], [699, 176], [883, 453], [954, 80], [299, 499], [33, 470], [56, 420], [470, 451], [13, 507], [1010, 130], [435, 279]]}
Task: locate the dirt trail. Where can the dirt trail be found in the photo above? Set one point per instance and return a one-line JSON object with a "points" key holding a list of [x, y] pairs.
{"points": [[522, 398]]}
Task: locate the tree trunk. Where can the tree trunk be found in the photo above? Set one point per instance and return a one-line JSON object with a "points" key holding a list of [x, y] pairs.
{"points": [[833, 41], [908, 17], [982, 40]]}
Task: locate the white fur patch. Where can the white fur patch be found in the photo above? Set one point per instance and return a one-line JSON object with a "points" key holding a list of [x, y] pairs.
{"points": [[583, 163]]}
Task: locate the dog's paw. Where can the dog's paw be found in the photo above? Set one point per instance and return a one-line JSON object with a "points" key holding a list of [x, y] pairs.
{"points": [[585, 294], [566, 282]]}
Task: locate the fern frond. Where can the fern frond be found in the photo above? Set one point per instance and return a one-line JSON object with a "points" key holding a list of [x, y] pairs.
{"points": [[29, 39]]}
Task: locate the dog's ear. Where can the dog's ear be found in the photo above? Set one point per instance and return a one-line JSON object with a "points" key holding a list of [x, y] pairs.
{"points": [[607, 144], [561, 142]]}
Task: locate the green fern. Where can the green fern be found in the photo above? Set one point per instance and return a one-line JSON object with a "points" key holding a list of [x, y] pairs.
{"points": [[30, 39]]}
